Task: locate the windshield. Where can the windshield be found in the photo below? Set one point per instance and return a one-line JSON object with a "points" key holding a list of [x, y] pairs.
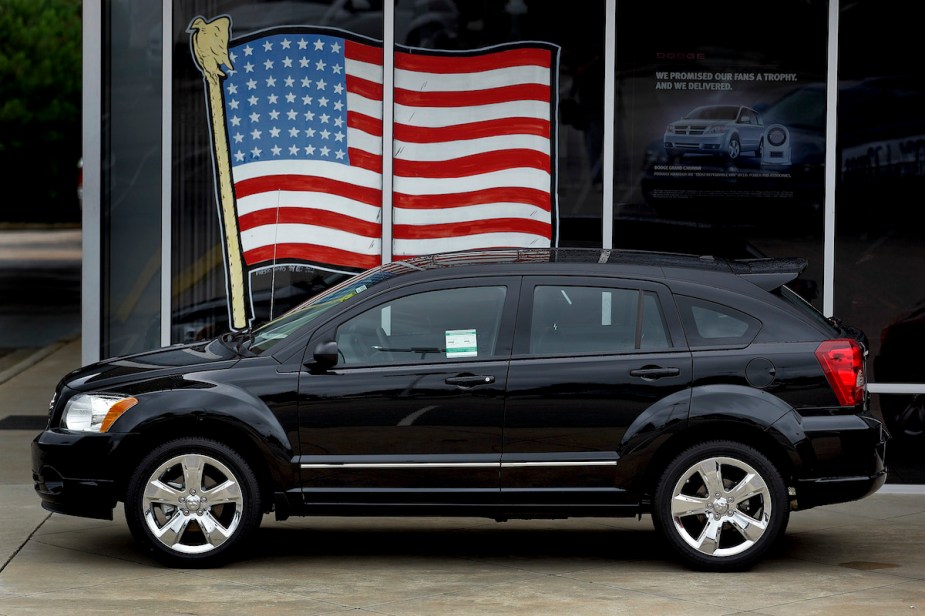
{"points": [[268, 335], [714, 113]]}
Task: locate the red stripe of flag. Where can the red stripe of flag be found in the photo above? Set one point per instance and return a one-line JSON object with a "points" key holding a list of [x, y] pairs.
{"points": [[475, 164], [309, 216], [365, 123], [461, 63], [310, 252], [472, 130], [362, 52], [364, 87], [308, 183], [474, 227], [365, 160], [504, 94], [507, 194]]}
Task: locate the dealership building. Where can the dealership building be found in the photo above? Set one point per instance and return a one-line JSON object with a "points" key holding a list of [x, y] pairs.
{"points": [[254, 152]]}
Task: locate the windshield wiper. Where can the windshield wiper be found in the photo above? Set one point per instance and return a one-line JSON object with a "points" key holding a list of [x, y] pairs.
{"points": [[238, 342], [242, 347]]}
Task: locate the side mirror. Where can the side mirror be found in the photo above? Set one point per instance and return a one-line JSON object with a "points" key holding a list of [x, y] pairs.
{"points": [[326, 354]]}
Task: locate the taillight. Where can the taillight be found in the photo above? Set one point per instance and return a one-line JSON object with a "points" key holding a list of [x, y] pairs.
{"points": [[843, 363]]}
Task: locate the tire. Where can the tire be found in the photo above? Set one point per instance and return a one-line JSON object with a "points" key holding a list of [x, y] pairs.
{"points": [[734, 149], [721, 505], [905, 421], [169, 514]]}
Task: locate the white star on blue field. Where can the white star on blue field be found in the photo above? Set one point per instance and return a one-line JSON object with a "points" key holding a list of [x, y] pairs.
{"points": [[286, 99]]}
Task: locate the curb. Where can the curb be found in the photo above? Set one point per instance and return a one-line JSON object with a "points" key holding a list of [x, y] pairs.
{"points": [[33, 359], [902, 488]]}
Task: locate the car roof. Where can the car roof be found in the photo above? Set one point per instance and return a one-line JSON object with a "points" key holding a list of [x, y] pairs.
{"points": [[766, 273]]}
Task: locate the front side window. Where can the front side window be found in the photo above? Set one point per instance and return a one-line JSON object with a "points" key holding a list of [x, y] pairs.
{"points": [[434, 326], [576, 319]]}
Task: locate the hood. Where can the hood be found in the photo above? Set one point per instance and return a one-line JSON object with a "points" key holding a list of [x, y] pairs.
{"points": [[164, 362]]}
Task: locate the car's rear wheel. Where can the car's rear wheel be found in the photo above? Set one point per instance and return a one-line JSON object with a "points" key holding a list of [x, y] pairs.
{"points": [[721, 505], [193, 502]]}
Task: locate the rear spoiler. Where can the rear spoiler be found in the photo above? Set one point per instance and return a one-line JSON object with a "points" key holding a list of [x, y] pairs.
{"points": [[771, 273]]}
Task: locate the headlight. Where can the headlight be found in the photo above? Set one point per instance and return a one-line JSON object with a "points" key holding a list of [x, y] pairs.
{"points": [[716, 130], [95, 412]]}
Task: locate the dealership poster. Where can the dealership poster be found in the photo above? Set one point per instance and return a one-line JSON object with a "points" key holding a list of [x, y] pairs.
{"points": [[720, 111]]}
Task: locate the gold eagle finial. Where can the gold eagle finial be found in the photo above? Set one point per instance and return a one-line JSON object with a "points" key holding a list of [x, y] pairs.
{"points": [[210, 45]]}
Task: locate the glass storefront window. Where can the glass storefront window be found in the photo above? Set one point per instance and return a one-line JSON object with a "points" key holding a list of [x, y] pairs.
{"points": [[879, 253], [720, 124], [131, 179]]}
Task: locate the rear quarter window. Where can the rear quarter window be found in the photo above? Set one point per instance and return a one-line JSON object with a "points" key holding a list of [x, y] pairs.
{"points": [[708, 324]]}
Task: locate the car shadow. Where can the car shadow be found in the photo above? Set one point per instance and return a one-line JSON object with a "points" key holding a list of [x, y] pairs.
{"points": [[479, 540]]}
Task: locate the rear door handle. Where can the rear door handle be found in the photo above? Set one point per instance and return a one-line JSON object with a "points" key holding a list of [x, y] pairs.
{"points": [[470, 380], [650, 373]]}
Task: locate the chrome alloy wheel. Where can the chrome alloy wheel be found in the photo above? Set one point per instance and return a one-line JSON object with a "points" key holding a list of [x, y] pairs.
{"points": [[721, 506], [192, 503], [735, 148]]}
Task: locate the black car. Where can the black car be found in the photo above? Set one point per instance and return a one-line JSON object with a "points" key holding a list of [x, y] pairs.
{"points": [[508, 383]]}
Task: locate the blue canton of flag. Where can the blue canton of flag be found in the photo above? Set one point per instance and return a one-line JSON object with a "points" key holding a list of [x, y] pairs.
{"points": [[286, 99]]}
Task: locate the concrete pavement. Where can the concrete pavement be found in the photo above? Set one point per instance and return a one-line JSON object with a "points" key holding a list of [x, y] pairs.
{"points": [[859, 558]]}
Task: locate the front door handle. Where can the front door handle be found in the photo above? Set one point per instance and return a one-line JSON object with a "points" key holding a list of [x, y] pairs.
{"points": [[650, 373], [470, 380]]}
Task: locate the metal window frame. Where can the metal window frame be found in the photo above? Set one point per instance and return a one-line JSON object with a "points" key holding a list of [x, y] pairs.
{"points": [[831, 126], [388, 117], [610, 113], [166, 167], [91, 299]]}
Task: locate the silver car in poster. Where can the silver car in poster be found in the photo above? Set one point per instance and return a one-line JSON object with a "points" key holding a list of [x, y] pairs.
{"points": [[726, 130]]}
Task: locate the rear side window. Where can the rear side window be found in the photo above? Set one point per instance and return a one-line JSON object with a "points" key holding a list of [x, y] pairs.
{"points": [[582, 319], [709, 324]]}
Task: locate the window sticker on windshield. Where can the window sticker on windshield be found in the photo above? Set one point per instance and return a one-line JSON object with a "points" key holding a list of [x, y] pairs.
{"points": [[461, 343]]}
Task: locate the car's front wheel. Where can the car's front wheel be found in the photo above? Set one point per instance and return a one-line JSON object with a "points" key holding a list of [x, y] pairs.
{"points": [[721, 505], [193, 502], [734, 149]]}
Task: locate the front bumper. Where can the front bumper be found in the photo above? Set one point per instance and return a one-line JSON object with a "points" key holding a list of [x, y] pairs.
{"points": [[77, 473], [704, 144], [848, 459]]}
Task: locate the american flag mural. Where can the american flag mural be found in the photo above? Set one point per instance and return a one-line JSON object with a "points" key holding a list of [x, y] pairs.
{"points": [[296, 122], [473, 146]]}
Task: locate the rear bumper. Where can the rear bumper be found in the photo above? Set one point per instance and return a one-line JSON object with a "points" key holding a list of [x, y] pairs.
{"points": [[844, 459]]}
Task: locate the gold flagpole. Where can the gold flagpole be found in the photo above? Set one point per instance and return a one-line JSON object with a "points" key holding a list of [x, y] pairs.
{"points": [[210, 50]]}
